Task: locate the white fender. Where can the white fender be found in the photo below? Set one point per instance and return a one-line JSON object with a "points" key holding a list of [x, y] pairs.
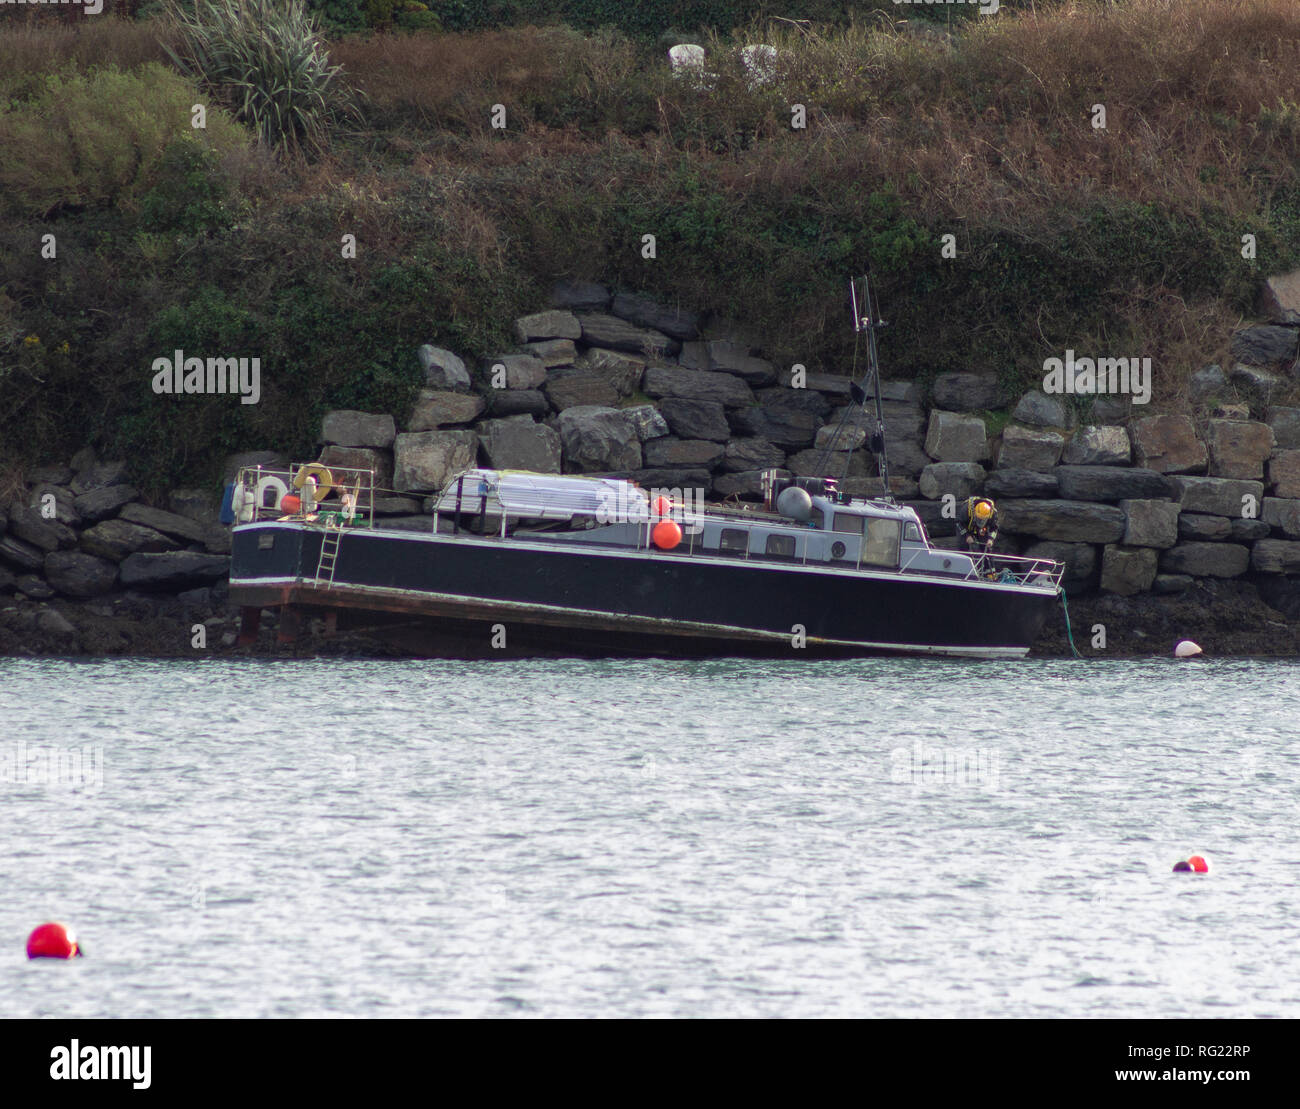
{"points": [[273, 483]]}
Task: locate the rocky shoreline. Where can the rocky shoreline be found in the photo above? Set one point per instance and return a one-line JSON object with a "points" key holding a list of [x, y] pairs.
{"points": [[1173, 524]]}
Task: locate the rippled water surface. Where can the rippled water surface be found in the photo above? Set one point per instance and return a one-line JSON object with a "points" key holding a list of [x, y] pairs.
{"points": [[371, 838]]}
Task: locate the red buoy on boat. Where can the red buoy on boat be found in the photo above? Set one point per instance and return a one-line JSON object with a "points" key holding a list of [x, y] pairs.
{"points": [[290, 503], [52, 941], [666, 535]]}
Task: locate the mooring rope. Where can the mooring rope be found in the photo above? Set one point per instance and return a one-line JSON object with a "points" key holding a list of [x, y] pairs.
{"points": [[1068, 633]]}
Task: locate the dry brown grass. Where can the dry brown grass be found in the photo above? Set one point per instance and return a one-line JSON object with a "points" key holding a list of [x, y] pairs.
{"points": [[31, 49]]}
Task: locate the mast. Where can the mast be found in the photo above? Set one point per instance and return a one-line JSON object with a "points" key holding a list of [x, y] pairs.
{"points": [[867, 319]]}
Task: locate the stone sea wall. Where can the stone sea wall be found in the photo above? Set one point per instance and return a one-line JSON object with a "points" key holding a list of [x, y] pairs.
{"points": [[616, 384], [1133, 501]]}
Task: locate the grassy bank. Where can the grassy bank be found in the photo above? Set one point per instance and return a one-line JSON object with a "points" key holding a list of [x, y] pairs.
{"points": [[1120, 240]]}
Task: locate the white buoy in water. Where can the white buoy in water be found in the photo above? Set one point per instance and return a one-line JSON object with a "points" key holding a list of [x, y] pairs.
{"points": [[1186, 649]]}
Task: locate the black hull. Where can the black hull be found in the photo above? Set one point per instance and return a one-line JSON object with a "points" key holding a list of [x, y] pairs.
{"points": [[447, 596]]}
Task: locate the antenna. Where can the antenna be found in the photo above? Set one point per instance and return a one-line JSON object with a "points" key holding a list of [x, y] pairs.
{"points": [[869, 322]]}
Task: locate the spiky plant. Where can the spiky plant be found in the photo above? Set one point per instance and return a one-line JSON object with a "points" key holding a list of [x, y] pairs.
{"points": [[266, 61]]}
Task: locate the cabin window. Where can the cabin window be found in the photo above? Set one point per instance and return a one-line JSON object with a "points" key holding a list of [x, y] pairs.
{"points": [[846, 522], [817, 519], [881, 545], [733, 539], [912, 533], [781, 545]]}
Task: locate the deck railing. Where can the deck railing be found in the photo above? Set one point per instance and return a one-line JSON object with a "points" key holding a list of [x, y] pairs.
{"points": [[260, 490]]}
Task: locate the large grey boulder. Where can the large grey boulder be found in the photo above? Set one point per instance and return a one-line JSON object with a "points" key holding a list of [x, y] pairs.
{"points": [[1208, 381], [1218, 496], [344, 462], [169, 523], [673, 381], [729, 358], [77, 574], [1256, 386], [1127, 570], [1238, 448], [683, 452], [954, 437], [1064, 520], [579, 388], [46, 497], [553, 352], [1202, 528], [1264, 345], [267, 460], [602, 330], [20, 554], [829, 385], [580, 296], [555, 324], [677, 322], [1282, 515], [1079, 559], [1029, 448], [623, 371], [101, 503], [597, 438], [1150, 523], [425, 460], [696, 419], [1275, 556], [963, 392], [520, 444], [787, 427], [1110, 483], [958, 479], [1037, 408], [747, 484], [443, 370], [649, 421], [115, 539], [515, 371], [1284, 473], [1168, 445], [518, 402], [31, 527], [171, 569], [754, 453], [1206, 560], [97, 475], [1098, 446], [1020, 483], [435, 408], [358, 429], [1285, 423], [1279, 299]]}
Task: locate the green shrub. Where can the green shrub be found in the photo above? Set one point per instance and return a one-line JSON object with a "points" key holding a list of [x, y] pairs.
{"points": [[99, 138], [266, 61]]}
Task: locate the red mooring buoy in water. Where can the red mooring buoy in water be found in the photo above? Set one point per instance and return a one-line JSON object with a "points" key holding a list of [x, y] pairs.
{"points": [[1199, 865], [52, 941]]}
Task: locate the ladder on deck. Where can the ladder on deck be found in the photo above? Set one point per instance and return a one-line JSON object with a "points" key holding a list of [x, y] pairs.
{"points": [[329, 553]]}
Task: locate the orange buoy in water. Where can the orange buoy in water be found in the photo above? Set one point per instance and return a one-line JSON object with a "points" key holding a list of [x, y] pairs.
{"points": [[52, 941], [1199, 865], [290, 503], [666, 535], [662, 506]]}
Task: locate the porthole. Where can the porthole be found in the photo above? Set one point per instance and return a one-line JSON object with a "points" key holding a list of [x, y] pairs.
{"points": [[838, 549]]}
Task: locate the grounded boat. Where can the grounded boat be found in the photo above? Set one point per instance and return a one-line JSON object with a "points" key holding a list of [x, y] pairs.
{"points": [[519, 563]]}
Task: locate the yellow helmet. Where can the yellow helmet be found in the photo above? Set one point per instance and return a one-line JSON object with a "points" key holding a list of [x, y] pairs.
{"points": [[983, 510]]}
